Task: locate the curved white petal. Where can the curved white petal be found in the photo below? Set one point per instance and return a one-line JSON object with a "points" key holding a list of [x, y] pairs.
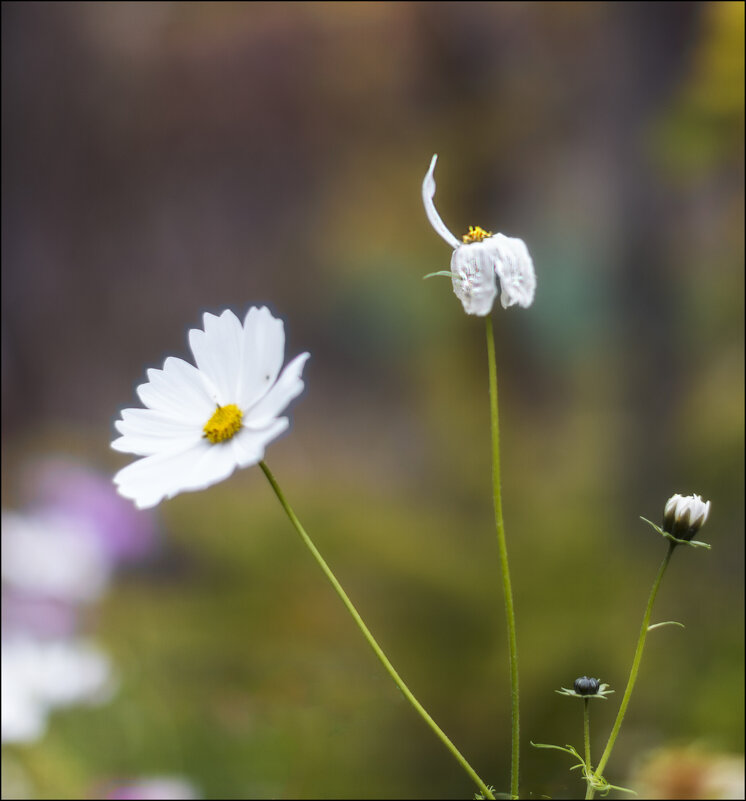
{"points": [[153, 478], [671, 505], [150, 423], [473, 278], [249, 444], [148, 446], [146, 431], [288, 386], [263, 353], [428, 193], [177, 390], [218, 352], [515, 269]]}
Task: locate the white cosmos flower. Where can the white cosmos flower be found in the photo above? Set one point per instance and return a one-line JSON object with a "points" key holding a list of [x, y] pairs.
{"points": [[482, 258], [203, 422]]}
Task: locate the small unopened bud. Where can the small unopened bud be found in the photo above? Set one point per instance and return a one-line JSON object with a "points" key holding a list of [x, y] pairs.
{"points": [[685, 515], [586, 686]]}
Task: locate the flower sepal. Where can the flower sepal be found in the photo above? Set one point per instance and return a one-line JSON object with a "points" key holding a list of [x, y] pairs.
{"points": [[676, 540]]}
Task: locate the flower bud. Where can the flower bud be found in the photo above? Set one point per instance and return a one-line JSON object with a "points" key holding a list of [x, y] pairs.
{"points": [[685, 515], [586, 686]]}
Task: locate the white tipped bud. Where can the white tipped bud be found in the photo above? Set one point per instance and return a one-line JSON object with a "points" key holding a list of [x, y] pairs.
{"points": [[684, 515]]}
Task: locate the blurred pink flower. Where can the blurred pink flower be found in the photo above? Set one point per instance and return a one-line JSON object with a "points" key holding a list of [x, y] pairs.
{"points": [[72, 489], [164, 788]]}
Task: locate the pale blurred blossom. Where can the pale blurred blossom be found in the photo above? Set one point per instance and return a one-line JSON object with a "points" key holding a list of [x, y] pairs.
{"points": [[690, 772], [165, 788], [58, 557], [54, 557], [41, 675], [61, 485], [44, 617]]}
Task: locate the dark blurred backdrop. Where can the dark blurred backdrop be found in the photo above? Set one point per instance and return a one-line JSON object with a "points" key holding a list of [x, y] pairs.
{"points": [[165, 159]]}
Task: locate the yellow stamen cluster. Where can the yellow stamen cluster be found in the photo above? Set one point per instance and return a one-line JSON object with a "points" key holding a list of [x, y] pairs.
{"points": [[224, 423], [475, 235]]}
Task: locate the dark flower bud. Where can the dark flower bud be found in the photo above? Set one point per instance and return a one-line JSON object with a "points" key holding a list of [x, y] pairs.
{"points": [[586, 686]]}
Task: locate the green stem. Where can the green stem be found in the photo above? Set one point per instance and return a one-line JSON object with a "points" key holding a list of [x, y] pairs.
{"points": [[371, 640], [635, 664], [507, 589], [587, 741]]}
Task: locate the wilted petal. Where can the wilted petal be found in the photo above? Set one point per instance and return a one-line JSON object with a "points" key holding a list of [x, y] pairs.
{"points": [[428, 193], [515, 270], [473, 277]]}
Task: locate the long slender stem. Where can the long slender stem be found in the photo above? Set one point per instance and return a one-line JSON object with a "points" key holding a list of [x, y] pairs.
{"points": [[635, 664], [587, 741], [484, 789], [507, 588]]}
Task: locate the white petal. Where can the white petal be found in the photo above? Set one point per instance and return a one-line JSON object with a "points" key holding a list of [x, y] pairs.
{"points": [[147, 446], [153, 478], [428, 193], [249, 444], [671, 505], [289, 385], [218, 354], [515, 270], [179, 391], [145, 431], [473, 278], [150, 423], [263, 353]]}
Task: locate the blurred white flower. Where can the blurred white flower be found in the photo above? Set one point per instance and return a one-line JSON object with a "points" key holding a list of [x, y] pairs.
{"points": [[39, 675], [480, 259], [203, 422], [684, 515], [54, 557]]}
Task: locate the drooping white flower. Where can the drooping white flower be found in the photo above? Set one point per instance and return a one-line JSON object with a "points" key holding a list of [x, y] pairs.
{"points": [[481, 259], [203, 422], [684, 515]]}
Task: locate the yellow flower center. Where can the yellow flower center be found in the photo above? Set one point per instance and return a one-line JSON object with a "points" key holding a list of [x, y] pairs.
{"points": [[224, 423], [476, 235]]}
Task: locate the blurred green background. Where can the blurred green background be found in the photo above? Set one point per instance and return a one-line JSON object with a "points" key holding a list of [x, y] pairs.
{"points": [[165, 159]]}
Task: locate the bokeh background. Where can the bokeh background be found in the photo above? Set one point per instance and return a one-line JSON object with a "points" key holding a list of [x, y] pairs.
{"points": [[165, 159]]}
